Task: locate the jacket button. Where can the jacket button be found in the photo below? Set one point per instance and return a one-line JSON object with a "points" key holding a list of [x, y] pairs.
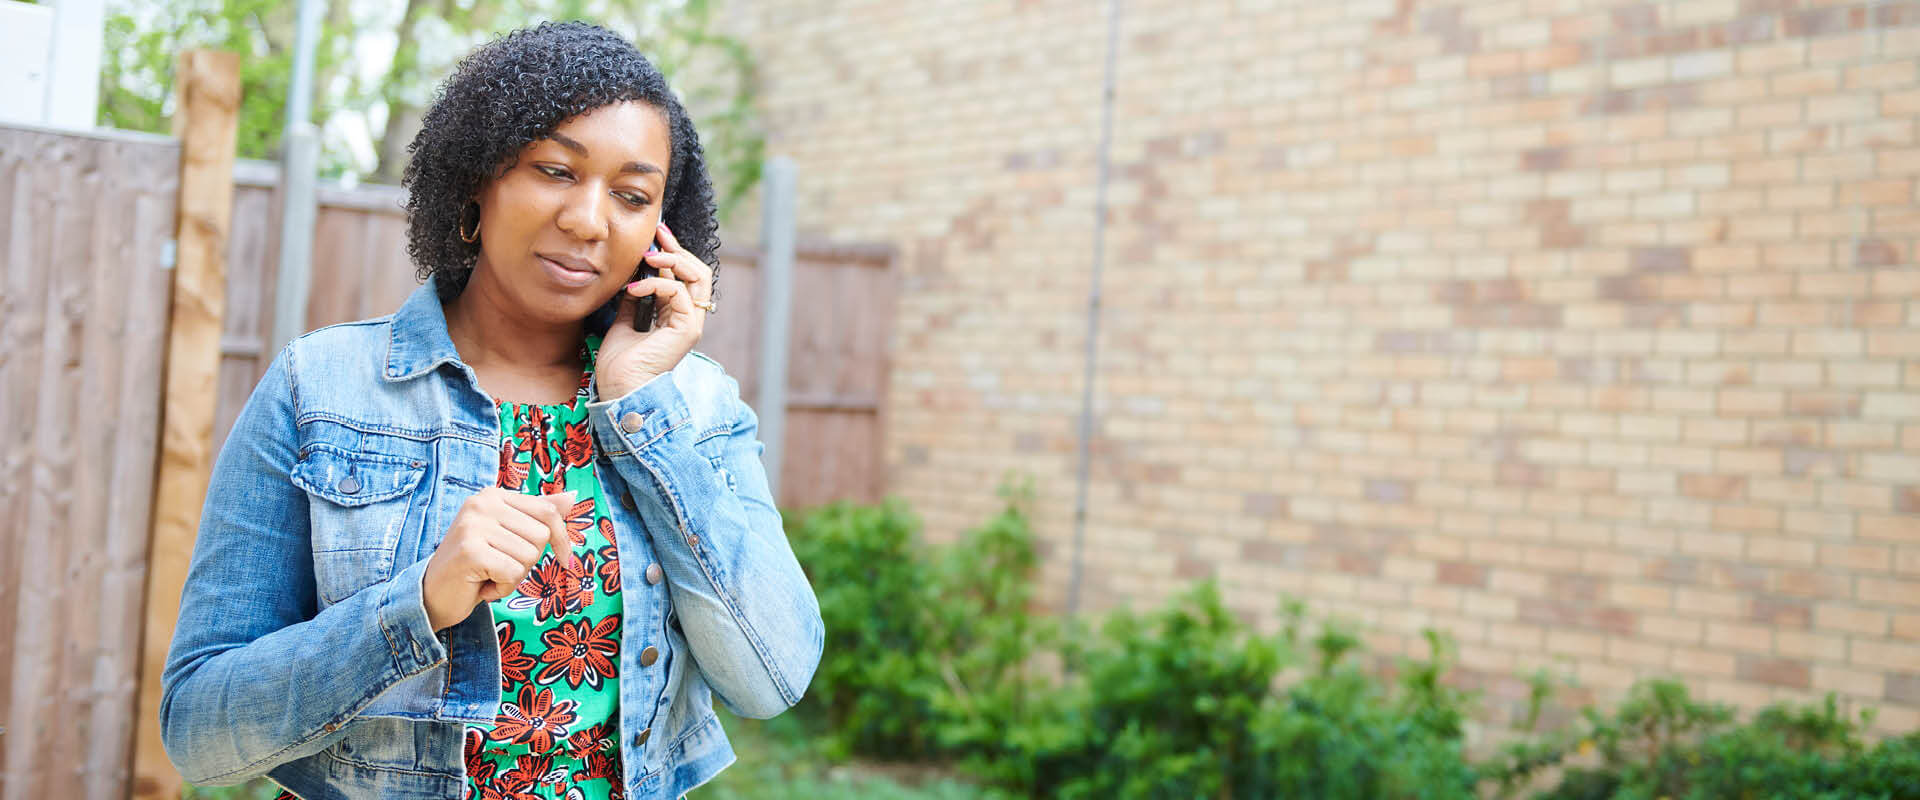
{"points": [[641, 737], [626, 499], [630, 422], [654, 574], [649, 655], [348, 485], [693, 540]]}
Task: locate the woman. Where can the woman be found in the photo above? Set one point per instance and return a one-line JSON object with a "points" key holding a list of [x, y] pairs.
{"points": [[501, 543]]}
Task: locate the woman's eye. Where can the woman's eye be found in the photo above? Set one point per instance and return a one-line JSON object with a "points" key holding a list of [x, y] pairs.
{"points": [[551, 172], [634, 200]]}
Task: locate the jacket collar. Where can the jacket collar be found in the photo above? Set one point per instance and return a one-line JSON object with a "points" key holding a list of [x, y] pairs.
{"points": [[418, 342]]}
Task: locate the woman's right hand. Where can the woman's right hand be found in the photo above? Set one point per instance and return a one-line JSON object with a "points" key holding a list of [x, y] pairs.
{"points": [[496, 539]]}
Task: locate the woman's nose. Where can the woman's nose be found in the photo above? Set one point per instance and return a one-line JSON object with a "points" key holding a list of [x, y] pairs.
{"points": [[584, 213]]}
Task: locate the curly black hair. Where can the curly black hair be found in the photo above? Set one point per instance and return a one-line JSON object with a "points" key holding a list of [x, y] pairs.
{"points": [[517, 89]]}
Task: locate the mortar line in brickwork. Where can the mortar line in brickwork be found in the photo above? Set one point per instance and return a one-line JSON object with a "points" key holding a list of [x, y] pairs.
{"points": [[1103, 166]]}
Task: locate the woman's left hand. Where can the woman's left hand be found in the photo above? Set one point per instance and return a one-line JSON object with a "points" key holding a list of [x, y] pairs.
{"points": [[629, 358]]}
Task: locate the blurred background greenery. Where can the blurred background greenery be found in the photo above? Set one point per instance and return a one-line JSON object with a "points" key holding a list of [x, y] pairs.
{"points": [[377, 65]]}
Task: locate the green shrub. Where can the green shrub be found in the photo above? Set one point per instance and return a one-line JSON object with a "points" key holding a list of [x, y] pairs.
{"points": [[1661, 743], [931, 655], [928, 650], [874, 689]]}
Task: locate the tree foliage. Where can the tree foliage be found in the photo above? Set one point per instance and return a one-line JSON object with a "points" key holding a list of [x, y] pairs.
{"points": [[380, 104]]}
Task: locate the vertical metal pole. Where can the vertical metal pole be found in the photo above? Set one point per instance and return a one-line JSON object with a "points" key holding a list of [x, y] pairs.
{"points": [[1093, 313], [299, 157], [776, 291], [305, 40]]}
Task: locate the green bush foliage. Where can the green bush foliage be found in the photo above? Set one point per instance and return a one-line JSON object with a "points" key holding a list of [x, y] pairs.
{"points": [[1662, 743], [933, 655]]}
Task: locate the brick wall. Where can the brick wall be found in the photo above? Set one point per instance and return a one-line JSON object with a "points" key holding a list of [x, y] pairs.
{"points": [[1586, 331]]}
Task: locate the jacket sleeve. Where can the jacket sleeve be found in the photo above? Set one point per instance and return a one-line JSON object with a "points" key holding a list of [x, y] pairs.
{"points": [[746, 608], [254, 677]]}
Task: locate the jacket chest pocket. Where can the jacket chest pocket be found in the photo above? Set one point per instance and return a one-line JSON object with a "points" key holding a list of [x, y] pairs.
{"points": [[360, 505]]}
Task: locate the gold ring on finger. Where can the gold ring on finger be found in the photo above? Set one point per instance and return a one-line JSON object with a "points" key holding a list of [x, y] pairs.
{"points": [[710, 306]]}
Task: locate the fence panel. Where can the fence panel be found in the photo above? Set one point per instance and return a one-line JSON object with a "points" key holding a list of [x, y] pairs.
{"points": [[85, 221], [843, 313]]}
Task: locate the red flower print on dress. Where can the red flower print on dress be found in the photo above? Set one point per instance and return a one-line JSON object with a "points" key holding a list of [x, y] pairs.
{"points": [[534, 720], [577, 449], [535, 434], [609, 567], [553, 590], [588, 739], [579, 519], [515, 663], [584, 582], [479, 769], [553, 484], [580, 654], [513, 474], [530, 771], [601, 763]]}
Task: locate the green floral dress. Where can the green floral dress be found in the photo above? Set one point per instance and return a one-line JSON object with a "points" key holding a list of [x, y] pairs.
{"points": [[557, 730], [556, 735]]}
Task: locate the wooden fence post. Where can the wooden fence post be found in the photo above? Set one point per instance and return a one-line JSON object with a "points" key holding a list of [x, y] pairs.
{"points": [[207, 87]]}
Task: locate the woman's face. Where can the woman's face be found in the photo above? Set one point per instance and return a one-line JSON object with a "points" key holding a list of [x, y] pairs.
{"points": [[564, 228]]}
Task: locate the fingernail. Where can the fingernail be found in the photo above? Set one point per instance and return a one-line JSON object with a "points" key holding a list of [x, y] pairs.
{"points": [[663, 226], [631, 285]]}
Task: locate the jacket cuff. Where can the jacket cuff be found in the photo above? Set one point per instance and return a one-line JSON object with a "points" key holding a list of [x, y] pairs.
{"points": [[630, 423], [403, 620]]}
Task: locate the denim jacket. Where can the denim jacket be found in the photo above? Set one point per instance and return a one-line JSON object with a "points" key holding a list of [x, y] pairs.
{"points": [[303, 650]]}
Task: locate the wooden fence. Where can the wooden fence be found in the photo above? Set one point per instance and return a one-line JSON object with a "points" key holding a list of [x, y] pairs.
{"points": [[86, 223], [85, 227], [837, 358]]}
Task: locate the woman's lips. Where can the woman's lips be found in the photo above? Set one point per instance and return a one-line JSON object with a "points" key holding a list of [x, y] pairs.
{"points": [[566, 276]]}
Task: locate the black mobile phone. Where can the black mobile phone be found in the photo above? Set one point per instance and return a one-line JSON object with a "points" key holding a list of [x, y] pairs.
{"points": [[643, 312]]}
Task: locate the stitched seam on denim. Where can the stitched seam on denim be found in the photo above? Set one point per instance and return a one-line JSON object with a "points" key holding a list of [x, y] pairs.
{"points": [[334, 601], [418, 435], [380, 615], [733, 606], [462, 482], [293, 386], [663, 434], [609, 451], [383, 768], [355, 455], [680, 743], [606, 414], [331, 495], [351, 501]]}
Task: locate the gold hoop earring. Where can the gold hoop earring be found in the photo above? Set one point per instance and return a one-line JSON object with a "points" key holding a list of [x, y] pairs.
{"points": [[460, 226]]}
